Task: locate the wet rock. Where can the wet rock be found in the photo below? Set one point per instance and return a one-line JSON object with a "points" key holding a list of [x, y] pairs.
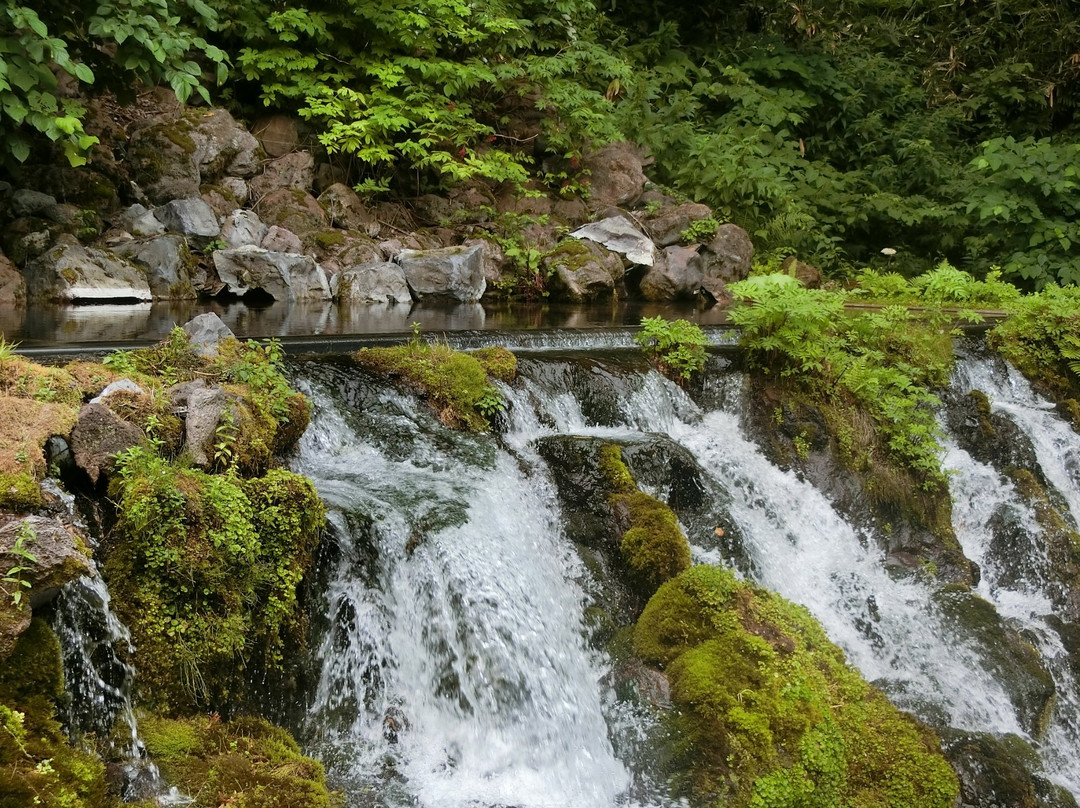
{"points": [[99, 435], [583, 490], [634, 681], [293, 210], [728, 256], [807, 274], [71, 273], [26, 202], [454, 272], [620, 235], [348, 211], [190, 217], [380, 282], [278, 134], [203, 406], [584, 270], [119, 386], [666, 226], [244, 228], [278, 239], [293, 172], [616, 176], [140, 222], [282, 276], [168, 264], [12, 283], [1000, 771], [60, 556], [205, 332], [715, 291], [676, 274]]}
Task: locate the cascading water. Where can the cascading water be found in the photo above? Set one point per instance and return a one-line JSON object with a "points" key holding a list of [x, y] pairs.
{"points": [[1019, 582], [452, 666]]}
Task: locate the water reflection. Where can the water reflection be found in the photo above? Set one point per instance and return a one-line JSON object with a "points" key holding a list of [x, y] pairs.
{"points": [[52, 325]]}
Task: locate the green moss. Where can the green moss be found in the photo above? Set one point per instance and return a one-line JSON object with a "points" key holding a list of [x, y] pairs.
{"points": [[247, 762], [37, 764], [204, 570], [498, 362], [455, 384], [19, 492], [770, 714], [325, 239], [654, 546], [615, 472]]}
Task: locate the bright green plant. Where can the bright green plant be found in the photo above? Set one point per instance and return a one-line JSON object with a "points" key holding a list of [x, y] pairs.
{"points": [[676, 347], [106, 45], [699, 230], [14, 578]]}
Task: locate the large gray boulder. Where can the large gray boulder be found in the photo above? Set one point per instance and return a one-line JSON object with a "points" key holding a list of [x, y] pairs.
{"points": [[162, 161], [140, 221], [26, 202], [99, 435], [283, 276], [168, 264], [60, 556], [728, 256], [584, 270], [666, 226], [619, 234], [378, 282], [676, 274], [205, 332], [454, 272], [190, 217], [222, 146], [243, 228], [72, 273], [616, 176]]}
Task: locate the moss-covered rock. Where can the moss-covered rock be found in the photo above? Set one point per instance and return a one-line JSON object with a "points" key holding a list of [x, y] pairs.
{"points": [[247, 763], [204, 569], [457, 385], [37, 764], [769, 713]]}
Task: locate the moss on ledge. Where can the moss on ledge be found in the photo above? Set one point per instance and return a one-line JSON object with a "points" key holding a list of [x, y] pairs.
{"points": [[458, 386], [37, 764], [770, 714], [204, 570], [244, 763]]}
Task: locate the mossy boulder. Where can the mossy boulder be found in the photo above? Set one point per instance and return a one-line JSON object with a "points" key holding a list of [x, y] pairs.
{"points": [[768, 713], [204, 569], [37, 764], [997, 770], [246, 763], [457, 385]]}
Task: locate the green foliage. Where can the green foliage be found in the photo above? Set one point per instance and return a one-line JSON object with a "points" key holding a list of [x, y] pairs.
{"points": [[770, 715], [102, 45], [13, 578], [37, 764], [1042, 339], [204, 569], [700, 230], [882, 363], [456, 385], [944, 285], [247, 763], [677, 347]]}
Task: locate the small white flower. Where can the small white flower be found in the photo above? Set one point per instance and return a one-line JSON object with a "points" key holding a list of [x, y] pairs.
{"points": [[889, 251]]}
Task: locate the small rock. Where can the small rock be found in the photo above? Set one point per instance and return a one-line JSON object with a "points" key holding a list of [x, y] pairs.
{"points": [[283, 276], [809, 275], [277, 134], [584, 270], [222, 146], [293, 172], [493, 257], [205, 408], [616, 175], [139, 221], [191, 217], [278, 239], [619, 235], [205, 332], [120, 385], [70, 272], [244, 228], [676, 274], [236, 188], [381, 282], [292, 209], [12, 283], [168, 263], [99, 435], [666, 226], [348, 211], [25, 202], [456, 272], [728, 256]]}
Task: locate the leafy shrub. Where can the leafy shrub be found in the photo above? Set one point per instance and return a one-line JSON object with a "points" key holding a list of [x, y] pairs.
{"points": [[677, 347], [700, 230]]}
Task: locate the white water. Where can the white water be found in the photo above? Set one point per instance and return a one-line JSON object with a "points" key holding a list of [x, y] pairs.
{"points": [[469, 648], [979, 491]]}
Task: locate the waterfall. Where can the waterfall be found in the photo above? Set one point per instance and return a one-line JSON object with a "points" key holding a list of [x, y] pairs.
{"points": [[1019, 583], [452, 665]]}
